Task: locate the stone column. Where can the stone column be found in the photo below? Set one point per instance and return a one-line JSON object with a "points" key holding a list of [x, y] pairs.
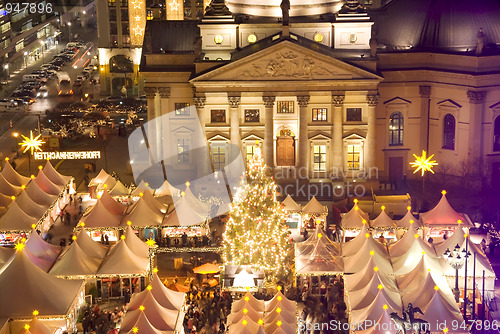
{"points": [[150, 95], [269, 130], [425, 104], [337, 149], [199, 102], [303, 101], [234, 119], [370, 146], [476, 105], [203, 167], [163, 127]]}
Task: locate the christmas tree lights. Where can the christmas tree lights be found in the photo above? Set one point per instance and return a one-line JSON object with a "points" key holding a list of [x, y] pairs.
{"points": [[256, 233]]}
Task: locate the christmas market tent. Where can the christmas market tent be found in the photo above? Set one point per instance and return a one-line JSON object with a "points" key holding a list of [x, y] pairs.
{"points": [[320, 260], [39, 196], [383, 221], [16, 220], [25, 287], [6, 253], [354, 218], [111, 204], [236, 317], [245, 326], [185, 217], [319, 236], [188, 198], [443, 215], [352, 246], [42, 249], [12, 176], [363, 258], [100, 216], [7, 188], [90, 247], [282, 322], [408, 220], [142, 215], [313, 207], [154, 203], [290, 205], [121, 261], [46, 185], [438, 311], [247, 301], [36, 326], [279, 300], [109, 183], [54, 176], [409, 260], [383, 325], [417, 276], [138, 319], [374, 311], [75, 262], [167, 298], [363, 297], [99, 179], [403, 245], [119, 189], [166, 189], [133, 242], [142, 188], [28, 205], [5, 200]]}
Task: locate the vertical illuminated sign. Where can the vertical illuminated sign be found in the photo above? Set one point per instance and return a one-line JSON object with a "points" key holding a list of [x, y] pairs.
{"points": [[137, 19]]}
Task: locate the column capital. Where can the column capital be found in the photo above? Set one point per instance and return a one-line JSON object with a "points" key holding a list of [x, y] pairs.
{"points": [[234, 101], [303, 100], [338, 100], [425, 91], [199, 101], [164, 92], [476, 97], [269, 101], [372, 99], [150, 92]]}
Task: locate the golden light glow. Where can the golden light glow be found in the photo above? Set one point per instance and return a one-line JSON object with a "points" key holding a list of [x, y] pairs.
{"points": [[260, 322], [279, 323], [408, 208], [40, 167], [278, 310], [380, 286], [375, 268], [436, 287], [188, 183], [122, 237], [73, 237], [246, 298], [23, 186], [245, 310], [443, 192], [356, 208], [27, 327], [175, 9], [137, 21], [445, 330], [35, 313], [466, 235], [183, 193], [367, 235], [364, 221], [141, 194], [13, 197], [382, 207], [279, 298], [355, 201], [416, 235], [423, 163], [459, 221], [135, 329], [31, 143], [218, 39], [372, 252], [318, 37], [247, 288], [252, 38], [385, 307], [82, 224], [19, 247], [319, 235], [279, 286], [149, 287], [411, 221], [423, 252], [33, 226], [155, 270], [244, 322], [129, 223], [141, 307], [151, 242]]}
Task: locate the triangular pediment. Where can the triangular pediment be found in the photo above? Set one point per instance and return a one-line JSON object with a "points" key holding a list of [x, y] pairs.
{"points": [[252, 137], [397, 100], [449, 103], [319, 137], [182, 131], [218, 138], [286, 61]]}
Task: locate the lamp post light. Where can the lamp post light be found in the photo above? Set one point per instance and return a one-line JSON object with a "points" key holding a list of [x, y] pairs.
{"points": [[456, 260], [69, 31]]}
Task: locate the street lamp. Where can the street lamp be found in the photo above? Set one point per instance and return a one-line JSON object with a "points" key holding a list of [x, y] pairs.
{"points": [[69, 31], [6, 71], [456, 261]]}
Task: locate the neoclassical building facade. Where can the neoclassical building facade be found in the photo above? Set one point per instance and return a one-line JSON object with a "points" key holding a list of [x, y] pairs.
{"points": [[335, 93]]}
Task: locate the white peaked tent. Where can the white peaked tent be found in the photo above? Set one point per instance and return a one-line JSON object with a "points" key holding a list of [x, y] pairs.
{"points": [[100, 216], [99, 179], [142, 215], [247, 301], [166, 189], [12, 176], [167, 298], [15, 219], [75, 262], [319, 259], [409, 260], [374, 311], [384, 325], [42, 249], [5, 200], [363, 297], [111, 205], [352, 246], [438, 311], [6, 253], [383, 221], [38, 327], [54, 175], [43, 264], [154, 204], [319, 236], [182, 216], [280, 323], [24, 287], [29, 206], [39, 196], [143, 188], [108, 183], [119, 189], [120, 260], [235, 318], [407, 220], [290, 204], [245, 326], [421, 295], [90, 247], [279, 300], [201, 208], [142, 322], [47, 185], [8, 188], [314, 207], [416, 278], [402, 246], [444, 215], [354, 218], [160, 318], [363, 258], [136, 245]]}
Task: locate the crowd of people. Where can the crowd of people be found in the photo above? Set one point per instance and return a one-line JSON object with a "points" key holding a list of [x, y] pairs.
{"points": [[98, 321], [207, 311]]}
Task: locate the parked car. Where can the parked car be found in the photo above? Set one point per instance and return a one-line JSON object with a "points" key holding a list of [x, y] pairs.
{"points": [[43, 92], [8, 103], [58, 62], [77, 83], [19, 101], [80, 77]]}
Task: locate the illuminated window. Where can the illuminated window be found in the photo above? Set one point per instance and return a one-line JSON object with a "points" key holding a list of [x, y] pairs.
{"points": [[111, 3], [396, 129], [353, 152], [252, 116], [182, 150], [319, 114], [149, 14], [250, 152], [182, 109], [218, 157], [285, 107], [353, 114], [496, 138], [319, 164], [449, 132], [218, 116]]}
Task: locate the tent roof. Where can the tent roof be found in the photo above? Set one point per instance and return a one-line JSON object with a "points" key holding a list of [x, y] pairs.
{"points": [[166, 189], [136, 245], [5, 201], [111, 204], [443, 215], [6, 254], [119, 189], [364, 297], [99, 216], [252, 302], [89, 246], [142, 215], [320, 260], [375, 310], [99, 179], [183, 217], [154, 203], [319, 236], [382, 326], [29, 206], [143, 188], [362, 278], [46, 185], [139, 319], [38, 327], [207, 268], [314, 207], [8, 188], [251, 327], [354, 218], [167, 298], [120, 260], [284, 303], [405, 221], [421, 295], [438, 311], [286, 326], [38, 195], [235, 318], [402, 246], [201, 208], [383, 220], [108, 183], [15, 219], [75, 261], [417, 275], [13, 177], [409, 260], [41, 263], [352, 246], [363, 259], [54, 175], [26, 288], [290, 204], [42, 249]]}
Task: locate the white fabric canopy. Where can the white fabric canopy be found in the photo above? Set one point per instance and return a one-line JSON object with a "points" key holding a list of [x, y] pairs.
{"points": [[15, 219], [139, 319], [135, 244], [54, 175], [47, 185], [438, 311], [444, 215], [363, 297], [352, 246], [161, 318], [42, 249], [382, 326], [166, 189], [90, 247], [314, 207], [403, 245], [75, 261], [8, 188], [143, 188], [383, 221], [111, 204], [29, 206], [13, 177], [39, 196], [407, 219], [6, 254], [99, 216], [201, 208], [99, 179], [375, 310], [354, 218], [119, 189], [166, 297], [290, 204], [108, 183], [142, 215], [120, 260], [251, 302]]}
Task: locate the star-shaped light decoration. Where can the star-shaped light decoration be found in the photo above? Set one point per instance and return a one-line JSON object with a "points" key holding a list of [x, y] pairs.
{"points": [[137, 4], [19, 247], [137, 18], [174, 5], [138, 31], [151, 242], [279, 323], [135, 329], [423, 163], [31, 143]]}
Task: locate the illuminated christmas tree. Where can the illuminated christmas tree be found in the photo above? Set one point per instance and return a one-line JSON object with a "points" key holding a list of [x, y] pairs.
{"points": [[256, 233]]}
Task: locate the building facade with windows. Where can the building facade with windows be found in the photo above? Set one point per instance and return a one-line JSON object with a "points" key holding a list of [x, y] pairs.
{"points": [[341, 91]]}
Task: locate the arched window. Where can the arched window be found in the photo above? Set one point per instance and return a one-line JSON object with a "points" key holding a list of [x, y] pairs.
{"points": [[396, 129], [449, 132], [496, 135]]}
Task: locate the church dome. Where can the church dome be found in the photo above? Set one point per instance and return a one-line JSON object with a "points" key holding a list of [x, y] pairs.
{"points": [[437, 24], [271, 8]]}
